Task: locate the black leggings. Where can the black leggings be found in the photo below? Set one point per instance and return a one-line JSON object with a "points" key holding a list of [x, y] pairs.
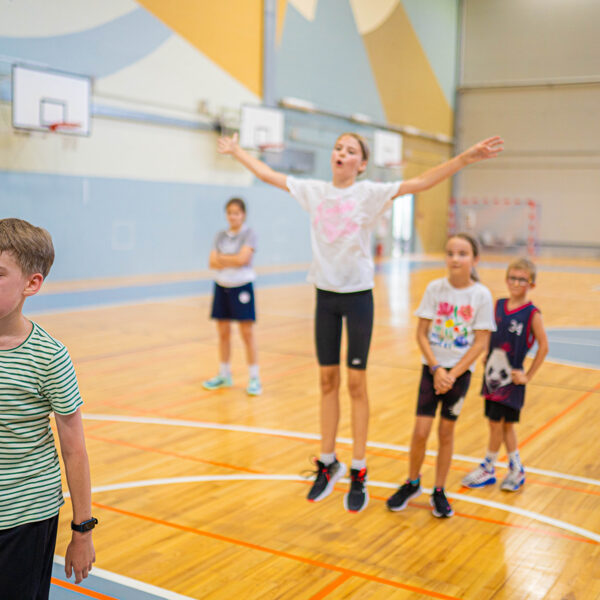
{"points": [[357, 307]]}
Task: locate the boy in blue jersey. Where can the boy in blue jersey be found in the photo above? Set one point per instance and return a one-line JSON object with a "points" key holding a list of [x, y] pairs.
{"points": [[36, 379], [519, 325]]}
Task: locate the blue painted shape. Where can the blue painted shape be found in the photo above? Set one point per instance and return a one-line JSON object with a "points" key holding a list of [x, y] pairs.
{"points": [[144, 293], [97, 584], [574, 346], [325, 61], [105, 227], [436, 24], [99, 51]]}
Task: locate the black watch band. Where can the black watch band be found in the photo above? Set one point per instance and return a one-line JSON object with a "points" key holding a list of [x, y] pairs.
{"points": [[84, 525]]}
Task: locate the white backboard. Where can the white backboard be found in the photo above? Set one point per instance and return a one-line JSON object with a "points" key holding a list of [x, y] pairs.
{"points": [[260, 127], [387, 148], [42, 98]]}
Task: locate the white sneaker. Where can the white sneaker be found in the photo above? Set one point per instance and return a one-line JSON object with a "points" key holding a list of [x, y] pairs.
{"points": [[479, 477], [514, 480], [254, 387]]}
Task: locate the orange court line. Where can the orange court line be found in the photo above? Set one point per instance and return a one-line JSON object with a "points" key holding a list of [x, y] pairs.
{"points": [[84, 592], [427, 462], [169, 453], [331, 587], [560, 415], [279, 553], [545, 532]]}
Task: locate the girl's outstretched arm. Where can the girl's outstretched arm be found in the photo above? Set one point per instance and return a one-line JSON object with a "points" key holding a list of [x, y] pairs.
{"points": [[229, 145], [485, 149]]}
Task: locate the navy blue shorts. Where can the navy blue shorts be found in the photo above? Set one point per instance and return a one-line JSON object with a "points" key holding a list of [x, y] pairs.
{"points": [[496, 411], [332, 308], [233, 303], [451, 401]]}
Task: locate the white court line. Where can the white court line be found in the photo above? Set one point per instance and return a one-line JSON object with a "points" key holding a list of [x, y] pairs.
{"points": [[129, 582], [313, 436], [208, 478]]}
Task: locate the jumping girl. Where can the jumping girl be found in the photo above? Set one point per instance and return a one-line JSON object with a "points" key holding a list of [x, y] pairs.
{"points": [[342, 214]]}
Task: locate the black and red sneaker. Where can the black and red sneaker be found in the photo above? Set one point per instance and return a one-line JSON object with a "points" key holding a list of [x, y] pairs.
{"points": [[326, 478], [357, 496]]}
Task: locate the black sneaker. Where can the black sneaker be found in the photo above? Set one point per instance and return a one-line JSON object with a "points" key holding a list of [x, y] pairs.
{"points": [[440, 504], [357, 497], [405, 492], [326, 478]]}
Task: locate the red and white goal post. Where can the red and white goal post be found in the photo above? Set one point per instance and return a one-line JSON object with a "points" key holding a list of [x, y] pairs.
{"points": [[499, 224]]}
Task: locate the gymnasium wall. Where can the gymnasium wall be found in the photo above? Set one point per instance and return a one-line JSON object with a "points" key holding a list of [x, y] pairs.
{"points": [[531, 72], [144, 193]]}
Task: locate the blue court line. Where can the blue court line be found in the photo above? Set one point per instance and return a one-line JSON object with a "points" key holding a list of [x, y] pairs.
{"points": [[96, 584]]}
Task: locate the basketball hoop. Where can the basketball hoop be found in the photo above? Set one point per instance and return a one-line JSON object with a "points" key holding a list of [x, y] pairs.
{"points": [[63, 126], [395, 165], [271, 147]]}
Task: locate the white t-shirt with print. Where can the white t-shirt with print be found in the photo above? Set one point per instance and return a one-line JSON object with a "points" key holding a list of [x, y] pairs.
{"points": [[455, 314], [227, 242], [342, 221]]}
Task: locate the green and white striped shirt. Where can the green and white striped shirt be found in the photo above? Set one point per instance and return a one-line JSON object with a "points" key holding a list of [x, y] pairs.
{"points": [[36, 378]]}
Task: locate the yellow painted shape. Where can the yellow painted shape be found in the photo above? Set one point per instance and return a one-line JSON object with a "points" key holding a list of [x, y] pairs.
{"points": [[371, 14], [407, 84], [281, 9], [229, 32]]}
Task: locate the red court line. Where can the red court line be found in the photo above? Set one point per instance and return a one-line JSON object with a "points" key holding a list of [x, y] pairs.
{"points": [[331, 587], [84, 592], [557, 417], [279, 553]]}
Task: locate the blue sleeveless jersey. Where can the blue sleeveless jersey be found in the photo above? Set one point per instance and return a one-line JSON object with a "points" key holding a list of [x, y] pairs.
{"points": [[509, 345]]}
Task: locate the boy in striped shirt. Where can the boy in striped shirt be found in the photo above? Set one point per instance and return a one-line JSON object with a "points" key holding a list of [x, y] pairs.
{"points": [[36, 379]]}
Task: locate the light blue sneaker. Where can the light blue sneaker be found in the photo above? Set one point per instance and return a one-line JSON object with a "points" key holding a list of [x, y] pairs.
{"points": [[217, 382], [254, 387]]}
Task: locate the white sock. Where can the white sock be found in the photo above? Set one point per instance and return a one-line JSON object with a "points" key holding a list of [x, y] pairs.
{"points": [[358, 464], [490, 460], [515, 459], [327, 458], [253, 371], [225, 369]]}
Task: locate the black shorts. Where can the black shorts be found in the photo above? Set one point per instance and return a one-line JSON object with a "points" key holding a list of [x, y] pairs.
{"points": [[233, 304], [332, 307], [496, 411], [26, 555], [452, 401]]}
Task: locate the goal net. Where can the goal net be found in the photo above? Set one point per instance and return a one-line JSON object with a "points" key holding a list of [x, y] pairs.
{"points": [[499, 224]]}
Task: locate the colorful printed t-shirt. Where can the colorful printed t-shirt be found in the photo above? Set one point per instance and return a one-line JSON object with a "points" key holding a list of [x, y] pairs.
{"points": [[455, 314], [36, 378], [508, 347], [231, 243], [342, 220]]}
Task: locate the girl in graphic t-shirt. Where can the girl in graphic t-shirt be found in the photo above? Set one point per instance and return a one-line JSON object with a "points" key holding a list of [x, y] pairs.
{"points": [[456, 317], [343, 213], [233, 298]]}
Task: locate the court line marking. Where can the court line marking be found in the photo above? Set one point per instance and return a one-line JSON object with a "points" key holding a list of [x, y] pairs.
{"points": [[72, 587], [140, 586], [313, 436], [384, 484], [330, 587], [278, 553]]}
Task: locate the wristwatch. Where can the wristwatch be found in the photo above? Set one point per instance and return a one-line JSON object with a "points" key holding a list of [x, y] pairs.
{"points": [[84, 525]]}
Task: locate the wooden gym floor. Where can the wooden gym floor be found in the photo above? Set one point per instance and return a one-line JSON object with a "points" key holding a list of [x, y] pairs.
{"points": [[202, 493]]}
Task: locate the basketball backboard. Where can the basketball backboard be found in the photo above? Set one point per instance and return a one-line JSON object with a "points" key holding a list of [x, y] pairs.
{"points": [[387, 148], [44, 100], [261, 128]]}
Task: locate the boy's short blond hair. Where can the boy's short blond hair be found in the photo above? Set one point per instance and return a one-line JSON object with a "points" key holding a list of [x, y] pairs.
{"points": [[31, 246], [524, 264]]}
